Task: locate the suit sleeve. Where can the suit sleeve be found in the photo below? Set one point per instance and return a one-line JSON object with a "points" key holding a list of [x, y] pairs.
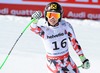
{"points": [[74, 41], [37, 29]]}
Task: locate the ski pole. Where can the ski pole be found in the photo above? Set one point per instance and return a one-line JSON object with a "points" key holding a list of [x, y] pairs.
{"points": [[37, 15], [80, 66], [15, 44]]}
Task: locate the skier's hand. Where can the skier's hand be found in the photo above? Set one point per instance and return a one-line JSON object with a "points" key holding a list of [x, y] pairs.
{"points": [[86, 63], [36, 15]]}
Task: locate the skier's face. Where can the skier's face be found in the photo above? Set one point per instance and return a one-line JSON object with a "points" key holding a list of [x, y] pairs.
{"points": [[53, 18]]}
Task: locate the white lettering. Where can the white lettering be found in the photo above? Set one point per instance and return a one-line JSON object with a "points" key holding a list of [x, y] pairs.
{"points": [[62, 0], [82, 0], [4, 11], [93, 1], [21, 12], [93, 16], [77, 15]]}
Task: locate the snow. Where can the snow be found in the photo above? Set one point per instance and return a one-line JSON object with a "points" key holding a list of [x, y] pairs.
{"points": [[28, 56]]}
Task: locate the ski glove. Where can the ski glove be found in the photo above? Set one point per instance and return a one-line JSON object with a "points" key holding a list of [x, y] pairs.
{"points": [[37, 15], [86, 64]]}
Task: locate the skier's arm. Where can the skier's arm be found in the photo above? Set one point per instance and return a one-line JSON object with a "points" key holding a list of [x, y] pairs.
{"points": [[74, 41], [77, 48], [36, 29]]}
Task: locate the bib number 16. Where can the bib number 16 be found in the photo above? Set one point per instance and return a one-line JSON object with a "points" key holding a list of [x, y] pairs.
{"points": [[63, 44]]}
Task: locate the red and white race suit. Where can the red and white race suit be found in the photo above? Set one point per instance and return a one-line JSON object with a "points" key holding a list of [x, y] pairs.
{"points": [[56, 45]]}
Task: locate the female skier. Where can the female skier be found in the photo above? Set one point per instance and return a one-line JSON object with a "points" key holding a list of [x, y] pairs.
{"points": [[55, 35]]}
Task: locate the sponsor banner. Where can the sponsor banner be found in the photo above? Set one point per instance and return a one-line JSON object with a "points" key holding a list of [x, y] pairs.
{"points": [[82, 9], [19, 9], [82, 13], [69, 1]]}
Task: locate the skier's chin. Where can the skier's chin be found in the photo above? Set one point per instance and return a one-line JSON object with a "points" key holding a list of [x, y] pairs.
{"points": [[54, 24]]}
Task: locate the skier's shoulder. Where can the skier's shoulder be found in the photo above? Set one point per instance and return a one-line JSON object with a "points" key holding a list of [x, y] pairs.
{"points": [[41, 23], [65, 23]]}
